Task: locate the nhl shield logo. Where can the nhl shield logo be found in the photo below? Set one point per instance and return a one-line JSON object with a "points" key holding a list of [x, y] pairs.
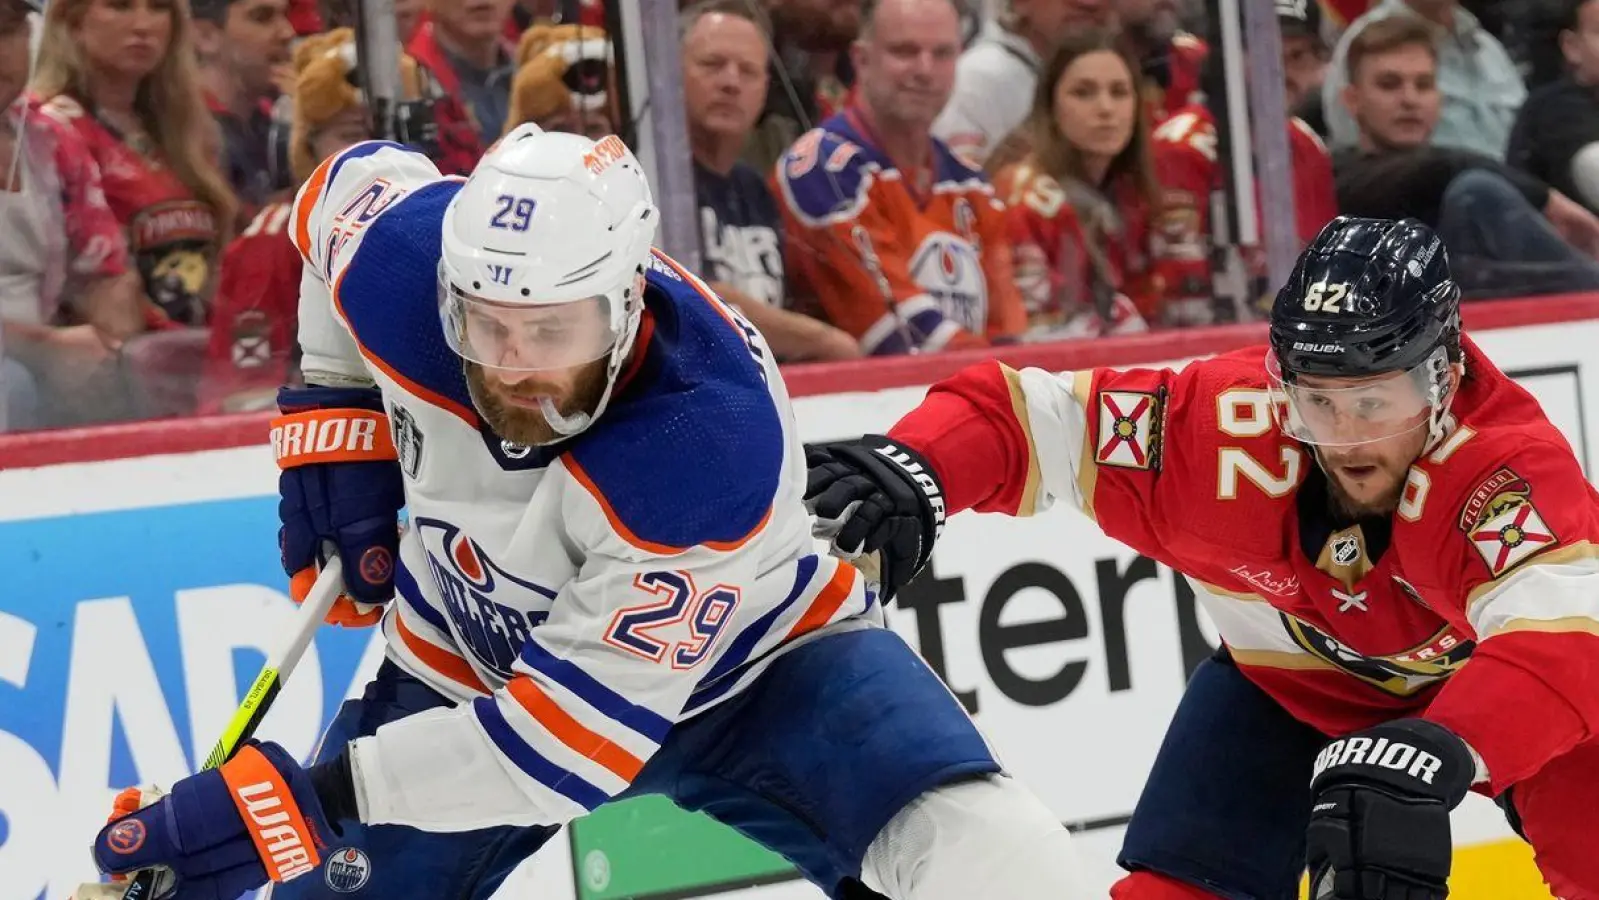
{"points": [[347, 870], [407, 441], [1345, 550]]}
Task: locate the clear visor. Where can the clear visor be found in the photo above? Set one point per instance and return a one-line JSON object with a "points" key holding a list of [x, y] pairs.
{"points": [[531, 338], [1344, 413]]}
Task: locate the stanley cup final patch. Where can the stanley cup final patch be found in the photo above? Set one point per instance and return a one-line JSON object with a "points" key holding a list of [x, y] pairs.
{"points": [[1129, 429]]}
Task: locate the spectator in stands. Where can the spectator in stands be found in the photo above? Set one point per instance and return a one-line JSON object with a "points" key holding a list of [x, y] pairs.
{"points": [[1556, 138], [565, 81], [1080, 202], [241, 47], [253, 348], [1170, 58], [1305, 55], [463, 46], [810, 73], [59, 246], [1185, 149], [1487, 213], [996, 76], [121, 74], [901, 243], [1480, 86], [724, 88]]}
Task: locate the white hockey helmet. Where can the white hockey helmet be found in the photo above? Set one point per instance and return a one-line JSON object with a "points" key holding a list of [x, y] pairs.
{"points": [[544, 253]]}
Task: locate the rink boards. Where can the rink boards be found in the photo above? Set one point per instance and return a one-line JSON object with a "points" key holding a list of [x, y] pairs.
{"points": [[138, 592]]}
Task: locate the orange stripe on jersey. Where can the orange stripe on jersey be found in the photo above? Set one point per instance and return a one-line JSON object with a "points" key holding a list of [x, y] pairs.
{"points": [[309, 195], [571, 732], [442, 402], [439, 659], [331, 435], [627, 534], [827, 603]]}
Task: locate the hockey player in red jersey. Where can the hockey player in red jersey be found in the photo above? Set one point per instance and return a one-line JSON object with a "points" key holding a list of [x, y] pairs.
{"points": [[1395, 545]]}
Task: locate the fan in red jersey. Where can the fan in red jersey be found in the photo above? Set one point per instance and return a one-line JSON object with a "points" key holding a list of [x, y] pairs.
{"points": [[1395, 545], [1078, 204]]}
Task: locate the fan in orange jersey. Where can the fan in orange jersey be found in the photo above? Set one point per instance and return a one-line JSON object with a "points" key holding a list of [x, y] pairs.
{"points": [[900, 242], [1398, 549], [1078, 204]]}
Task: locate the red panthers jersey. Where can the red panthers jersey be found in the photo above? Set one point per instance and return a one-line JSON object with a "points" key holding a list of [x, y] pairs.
{"points": [[1475, 605], [1071, 243], [171, 235], [900, 260], [1184, 147], [253, 325]]}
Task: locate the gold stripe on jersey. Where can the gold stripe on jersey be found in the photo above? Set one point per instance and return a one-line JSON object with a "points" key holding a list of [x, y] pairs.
{"points": [[1087, 460], [1028, 503], [1566, 625], [1574, 552]]}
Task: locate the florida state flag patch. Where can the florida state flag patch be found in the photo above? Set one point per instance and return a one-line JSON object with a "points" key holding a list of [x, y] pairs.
{"points": [[1129, 429], [1509, 536]]}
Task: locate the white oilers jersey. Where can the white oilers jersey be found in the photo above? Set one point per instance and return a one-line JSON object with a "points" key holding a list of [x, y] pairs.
{"points": [[580, 599]]}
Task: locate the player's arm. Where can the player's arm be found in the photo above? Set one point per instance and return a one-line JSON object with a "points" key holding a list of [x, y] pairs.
{"points": [[844, 236], [344, 494], [995, 439], [1531, 594]]}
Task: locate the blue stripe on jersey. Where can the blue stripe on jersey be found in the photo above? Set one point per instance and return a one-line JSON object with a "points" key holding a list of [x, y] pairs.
{"points": [[604, 700], [365, 148], [530, 761], [724, 673], [405, 585]]}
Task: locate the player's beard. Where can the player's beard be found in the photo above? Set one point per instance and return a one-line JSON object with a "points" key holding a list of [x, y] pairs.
{"points": [[527, 426]]}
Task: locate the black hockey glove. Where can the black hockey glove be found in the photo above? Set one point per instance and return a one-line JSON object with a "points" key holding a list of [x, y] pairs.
{"points": [[1379, 825], [872, 495]]}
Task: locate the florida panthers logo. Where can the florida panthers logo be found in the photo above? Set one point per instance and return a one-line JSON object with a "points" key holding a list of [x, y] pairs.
{"points": [[949, 269], [493, 612]]}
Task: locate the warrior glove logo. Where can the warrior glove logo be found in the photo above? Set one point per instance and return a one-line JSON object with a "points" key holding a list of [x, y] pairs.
{"points": [[1382, 753], [922, 478]]}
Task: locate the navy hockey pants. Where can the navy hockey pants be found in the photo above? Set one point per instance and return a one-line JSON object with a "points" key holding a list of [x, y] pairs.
{"points": [[1227, 803], [812, 761]]}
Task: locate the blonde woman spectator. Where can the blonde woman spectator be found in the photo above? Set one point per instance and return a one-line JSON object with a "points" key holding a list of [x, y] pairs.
{"points": [[121, 74], [60, 247], [1080, 202]]}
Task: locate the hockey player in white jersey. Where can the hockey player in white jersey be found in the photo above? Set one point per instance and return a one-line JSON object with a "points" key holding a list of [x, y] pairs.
{"points": [[608, 586]]}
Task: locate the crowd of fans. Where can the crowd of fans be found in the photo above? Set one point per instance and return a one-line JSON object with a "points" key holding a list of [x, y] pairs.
{"points": [[873, 176]]}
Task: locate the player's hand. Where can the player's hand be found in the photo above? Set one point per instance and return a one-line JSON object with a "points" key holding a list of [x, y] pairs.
{"points": [[1379, 824], [873, 495], [222, 832], [340, 485]]}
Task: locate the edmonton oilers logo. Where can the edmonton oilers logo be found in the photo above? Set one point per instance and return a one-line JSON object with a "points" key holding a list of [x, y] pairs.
{"points": [[347, 870]]}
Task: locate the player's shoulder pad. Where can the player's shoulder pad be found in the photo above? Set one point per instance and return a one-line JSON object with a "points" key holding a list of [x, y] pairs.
{"points": [[825, 176], [356, 185], [691, 452]]}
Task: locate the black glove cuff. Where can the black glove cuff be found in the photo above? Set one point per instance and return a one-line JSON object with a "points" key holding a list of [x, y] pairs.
{"points": [[878, 454], [334, 785], [1411, 757]]}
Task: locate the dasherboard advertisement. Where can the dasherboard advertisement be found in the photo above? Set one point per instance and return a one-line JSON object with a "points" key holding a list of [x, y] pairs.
{"points": [[138, 597]]}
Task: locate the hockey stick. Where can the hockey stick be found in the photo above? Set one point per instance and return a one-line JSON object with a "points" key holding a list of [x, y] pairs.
{"points": [[246, 719]]}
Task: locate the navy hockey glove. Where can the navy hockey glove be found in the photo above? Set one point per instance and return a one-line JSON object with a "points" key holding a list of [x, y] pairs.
{"points": [[874, 495], [340, 484], [222, 832], [1379, 825]]}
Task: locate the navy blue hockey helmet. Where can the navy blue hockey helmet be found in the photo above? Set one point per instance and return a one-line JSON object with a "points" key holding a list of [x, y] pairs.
{"points": [[1367, 296]]}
